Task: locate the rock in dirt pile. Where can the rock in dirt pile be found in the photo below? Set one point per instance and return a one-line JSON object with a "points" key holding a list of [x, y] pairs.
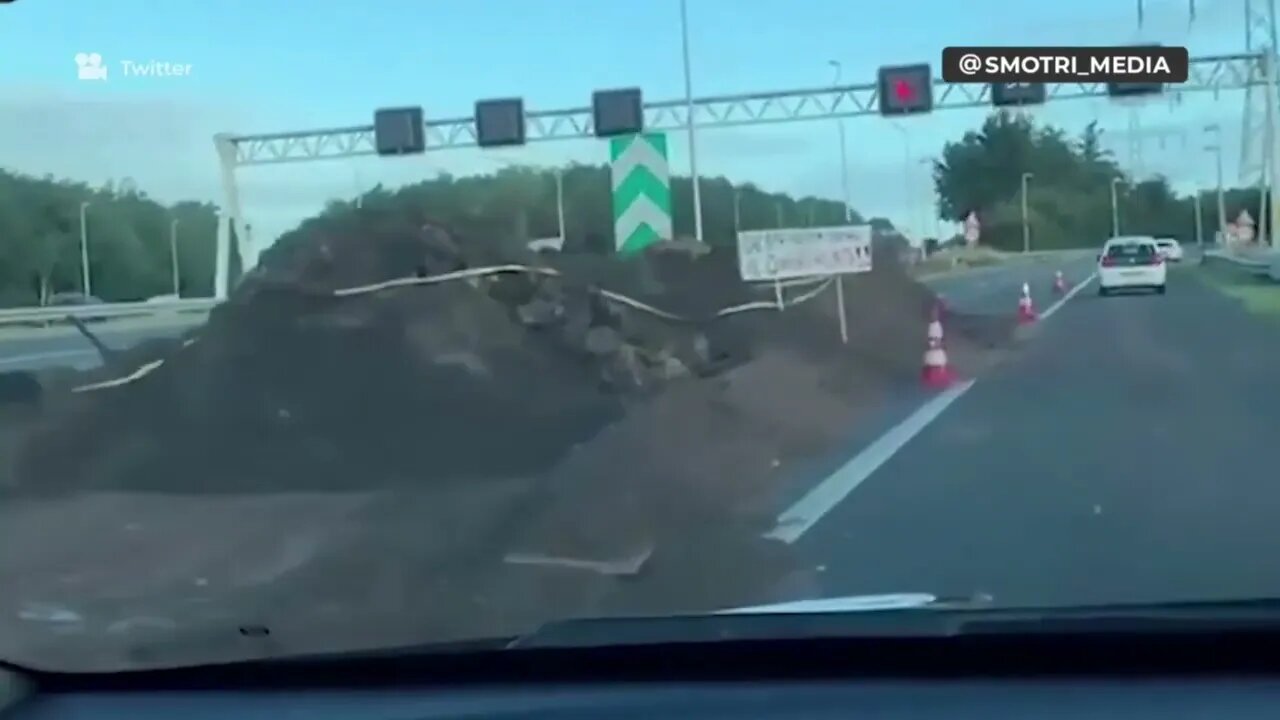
{"points": [[582, 438]]}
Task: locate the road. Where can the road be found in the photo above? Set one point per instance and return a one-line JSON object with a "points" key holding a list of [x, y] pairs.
{"points": [[1126, 454], [995, 289], [989, 290], [1118, 455], [64, 346]]}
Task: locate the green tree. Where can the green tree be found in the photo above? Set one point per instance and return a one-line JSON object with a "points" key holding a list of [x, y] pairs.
{"points": [[1068, 202], [129, 241]]}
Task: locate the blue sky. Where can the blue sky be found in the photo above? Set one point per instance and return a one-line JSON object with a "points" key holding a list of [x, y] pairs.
{"points": [[274, 65]]}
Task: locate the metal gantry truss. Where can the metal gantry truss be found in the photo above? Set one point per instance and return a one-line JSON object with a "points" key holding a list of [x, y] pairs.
{"points": [[1214, 74], [1207, 74], [1258, 149], [1259, 39]]}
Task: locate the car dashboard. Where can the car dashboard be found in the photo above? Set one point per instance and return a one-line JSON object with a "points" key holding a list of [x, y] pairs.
{"points": [[844, 699], [918, 667]]}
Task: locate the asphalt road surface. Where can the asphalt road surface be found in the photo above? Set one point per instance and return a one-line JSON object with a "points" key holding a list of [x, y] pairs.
{"points": [[987, 290], [995, 289], [1127, 454], [64, 347]]}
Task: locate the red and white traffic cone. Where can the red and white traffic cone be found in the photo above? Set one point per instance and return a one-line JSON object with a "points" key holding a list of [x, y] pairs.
{"points": [[936, 373], [1026, 309], [1059, 283]]}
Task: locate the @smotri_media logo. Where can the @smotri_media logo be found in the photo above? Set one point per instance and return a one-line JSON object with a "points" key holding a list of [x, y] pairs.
{"points": [[90, 66]]}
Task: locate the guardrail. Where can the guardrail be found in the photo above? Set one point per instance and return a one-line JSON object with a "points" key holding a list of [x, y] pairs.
{"points": [[1252, 265], [41, 316], [103, 311]]}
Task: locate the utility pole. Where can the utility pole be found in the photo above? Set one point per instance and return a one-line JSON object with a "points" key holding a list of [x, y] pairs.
{"points": [[1115, 207], [1199, 221], [173, 255], [85, 287], [844, 155], [693, 133], [1026, 223]]}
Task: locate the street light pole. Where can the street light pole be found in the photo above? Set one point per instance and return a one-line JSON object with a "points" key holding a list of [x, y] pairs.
{"points": [[173, 254], [932, 206], [844, 155], [1216, 149], [908, 197], [1026, 225], [1115, 207], [560, 203], [1199, 221], [85, 287], [688, 104], [1222, 198], [848, 211]]}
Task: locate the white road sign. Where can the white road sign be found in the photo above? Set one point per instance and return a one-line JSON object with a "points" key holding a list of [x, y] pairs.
{"points": [[1245, 226], [803, 252]]}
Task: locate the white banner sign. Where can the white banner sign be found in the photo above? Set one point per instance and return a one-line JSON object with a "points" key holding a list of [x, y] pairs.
{"points": [[803, 252]]}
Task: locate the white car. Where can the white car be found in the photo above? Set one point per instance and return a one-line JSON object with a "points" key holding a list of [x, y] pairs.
{"points": [[1131, 262], [1170, 248]]}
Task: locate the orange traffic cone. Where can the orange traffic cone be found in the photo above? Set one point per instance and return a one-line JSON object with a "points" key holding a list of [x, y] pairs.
{"points": [[936, 373], [1026, 309], [1059, 283]]}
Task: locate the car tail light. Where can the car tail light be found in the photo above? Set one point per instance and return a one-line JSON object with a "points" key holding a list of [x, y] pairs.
{"points": [[1108, 261], [1156, 259]]}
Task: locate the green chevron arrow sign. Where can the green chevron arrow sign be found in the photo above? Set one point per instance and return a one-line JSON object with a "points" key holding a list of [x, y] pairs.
{"points": [[641, 191]]}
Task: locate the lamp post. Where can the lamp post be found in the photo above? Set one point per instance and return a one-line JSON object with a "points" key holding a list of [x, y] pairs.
{"points": [[84, 250], [1026, 224], [559, 178], [173, 254], [906, 173], [693, 134], [1199, 214], [1216, 149], [844, 156], [932, 205], [1115, 207], [560, 204]]}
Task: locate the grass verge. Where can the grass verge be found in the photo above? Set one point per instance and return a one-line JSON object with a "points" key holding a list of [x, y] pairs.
{"points": [[1258, 294]]}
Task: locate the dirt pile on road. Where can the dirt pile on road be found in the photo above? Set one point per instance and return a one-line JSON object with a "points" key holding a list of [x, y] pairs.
{"points": [[604, 412]]}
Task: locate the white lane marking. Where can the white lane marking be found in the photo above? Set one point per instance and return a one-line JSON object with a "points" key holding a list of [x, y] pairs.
{"points": [[796, 520], [21, 359], [1070, 294]]}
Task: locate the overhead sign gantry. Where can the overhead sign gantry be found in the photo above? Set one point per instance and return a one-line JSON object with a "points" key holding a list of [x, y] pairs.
{"points": [[620, 112]]}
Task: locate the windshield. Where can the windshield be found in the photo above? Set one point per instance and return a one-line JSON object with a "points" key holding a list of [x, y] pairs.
{"points": [[411, 322], [1131, 250]]}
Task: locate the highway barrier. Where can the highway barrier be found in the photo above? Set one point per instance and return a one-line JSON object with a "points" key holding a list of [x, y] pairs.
{"points": [[60, 314], [51, 315], [1254, 263]]}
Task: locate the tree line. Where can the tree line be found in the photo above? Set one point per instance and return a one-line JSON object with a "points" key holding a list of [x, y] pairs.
{"points": [[1068, 189], [128, 241], [130, 235]]}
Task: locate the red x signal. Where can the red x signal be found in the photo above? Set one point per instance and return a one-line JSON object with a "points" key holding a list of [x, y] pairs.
{"points": [[904, 91]]}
